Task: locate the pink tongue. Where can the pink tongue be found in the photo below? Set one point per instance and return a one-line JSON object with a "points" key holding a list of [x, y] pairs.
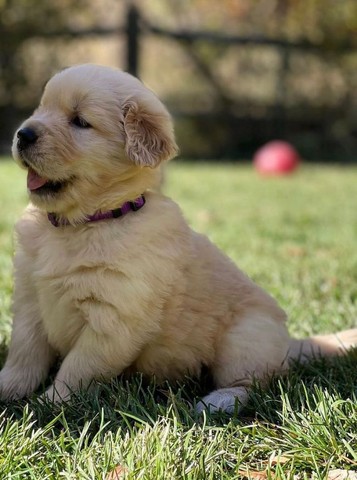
{"points": [[34, 181]]}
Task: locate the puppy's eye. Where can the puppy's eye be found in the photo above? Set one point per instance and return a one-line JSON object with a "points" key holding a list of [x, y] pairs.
{"points": [[80, 122]]}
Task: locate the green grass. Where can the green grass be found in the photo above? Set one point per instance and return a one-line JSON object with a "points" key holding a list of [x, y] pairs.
{"points": [[297, 238]]}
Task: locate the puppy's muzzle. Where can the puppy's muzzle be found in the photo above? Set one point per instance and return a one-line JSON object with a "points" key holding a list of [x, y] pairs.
{"points": [[26, 137]]}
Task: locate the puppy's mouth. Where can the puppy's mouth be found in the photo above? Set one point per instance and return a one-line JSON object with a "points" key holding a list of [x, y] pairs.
{"points": [[43, 186]]}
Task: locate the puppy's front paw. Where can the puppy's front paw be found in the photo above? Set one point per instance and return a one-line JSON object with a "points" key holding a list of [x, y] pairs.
{"points": [[56, 393], [228, 400], [16, 383]]}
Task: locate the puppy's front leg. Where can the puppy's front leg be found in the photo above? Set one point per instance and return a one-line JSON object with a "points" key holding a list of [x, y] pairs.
{"points": [[94, 356], [30, 356]]}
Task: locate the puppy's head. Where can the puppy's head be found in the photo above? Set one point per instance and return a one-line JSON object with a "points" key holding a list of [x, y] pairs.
{"points": [[94, 141]]}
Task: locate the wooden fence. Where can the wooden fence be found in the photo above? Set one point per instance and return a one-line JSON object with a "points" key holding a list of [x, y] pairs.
{"points": [[136, 27]]}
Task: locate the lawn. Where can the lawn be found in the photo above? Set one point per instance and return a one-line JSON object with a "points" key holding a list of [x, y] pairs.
{"points": [[296, 237]]}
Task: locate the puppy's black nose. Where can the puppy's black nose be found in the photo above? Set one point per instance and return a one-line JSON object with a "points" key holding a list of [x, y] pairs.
{"points": [[26, 136]]}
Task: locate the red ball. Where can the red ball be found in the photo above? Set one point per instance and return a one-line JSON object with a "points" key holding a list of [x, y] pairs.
{"points": [[276, 158]]}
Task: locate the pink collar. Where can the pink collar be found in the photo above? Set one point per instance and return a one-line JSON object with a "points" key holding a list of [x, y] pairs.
{"points": [[116, 213]]}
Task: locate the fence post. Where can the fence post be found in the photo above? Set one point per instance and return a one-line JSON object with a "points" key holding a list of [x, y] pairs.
{"points": [[281, 93], [132, 37]]}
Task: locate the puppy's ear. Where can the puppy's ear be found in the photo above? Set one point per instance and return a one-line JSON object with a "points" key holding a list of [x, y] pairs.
{"points": [[149, 135]]}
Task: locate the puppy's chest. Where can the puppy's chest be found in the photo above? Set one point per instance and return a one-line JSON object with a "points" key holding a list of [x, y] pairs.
{"points": [[62, 273], [60, 317]]}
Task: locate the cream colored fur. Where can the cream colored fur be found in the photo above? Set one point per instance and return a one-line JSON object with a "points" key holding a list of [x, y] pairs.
{"points": [[140, 293]]}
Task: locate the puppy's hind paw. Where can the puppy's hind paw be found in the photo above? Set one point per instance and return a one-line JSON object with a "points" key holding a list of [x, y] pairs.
{"points": [[228, 400]]}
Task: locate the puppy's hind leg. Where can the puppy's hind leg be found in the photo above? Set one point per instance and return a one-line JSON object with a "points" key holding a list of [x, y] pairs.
{"points": [[254, 347]]}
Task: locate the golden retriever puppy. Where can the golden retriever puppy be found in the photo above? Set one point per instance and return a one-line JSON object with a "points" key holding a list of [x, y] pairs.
{"points": [[108, 274]]}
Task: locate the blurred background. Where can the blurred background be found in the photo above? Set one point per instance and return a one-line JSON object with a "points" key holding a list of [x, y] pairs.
{"points": [[234, 73]]}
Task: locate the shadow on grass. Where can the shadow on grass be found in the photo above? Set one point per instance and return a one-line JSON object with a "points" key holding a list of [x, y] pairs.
{"points": [[128, 403]]}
